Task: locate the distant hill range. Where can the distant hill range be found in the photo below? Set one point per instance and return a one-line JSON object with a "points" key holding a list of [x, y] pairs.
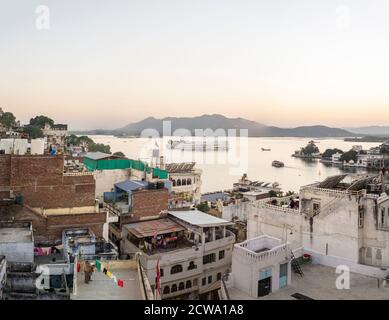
{"points": [[217, 121], [371, 130]]}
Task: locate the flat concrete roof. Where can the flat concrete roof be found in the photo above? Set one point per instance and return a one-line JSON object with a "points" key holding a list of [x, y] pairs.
{"points": [[255, 193], [318, 283], [97, 155], [14, 235], [103, 288], [199, 218]]}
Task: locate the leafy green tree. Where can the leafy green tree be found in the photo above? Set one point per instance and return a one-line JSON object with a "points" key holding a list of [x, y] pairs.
{"points": [[33, 132], [384, 148], [119, 154], [71, 140], [99, 147], [273, 193], [329, 152], [349, 155], [86, 142], [40, 121], [310, 149], [203, 206], [7, 119]]}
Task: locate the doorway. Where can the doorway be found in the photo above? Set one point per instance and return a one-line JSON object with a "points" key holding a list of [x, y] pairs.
{"points": [[264, 287]]}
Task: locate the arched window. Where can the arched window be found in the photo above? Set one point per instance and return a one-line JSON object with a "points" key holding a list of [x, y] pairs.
{"points": [[184, 182], [166, 290], [189, 181], [192, 265], [174, 183], [176, 269], [174, 288], [181, 286], [178, 182], [188, 284]]}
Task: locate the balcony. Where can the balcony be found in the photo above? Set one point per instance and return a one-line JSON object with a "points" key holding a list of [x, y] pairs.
{"points": [[220, 242], [117, 209]]}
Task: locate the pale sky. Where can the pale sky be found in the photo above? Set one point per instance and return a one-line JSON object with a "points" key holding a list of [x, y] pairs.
{"points": [[104, 64]]}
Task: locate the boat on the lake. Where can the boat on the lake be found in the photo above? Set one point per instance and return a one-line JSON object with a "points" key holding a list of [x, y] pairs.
{"points": [[265, 149], [277, 164]]}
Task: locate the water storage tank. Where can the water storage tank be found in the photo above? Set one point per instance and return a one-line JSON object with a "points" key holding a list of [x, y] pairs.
{"points": [[20, 146], [151, 186], [6, 145], [37, 146]]}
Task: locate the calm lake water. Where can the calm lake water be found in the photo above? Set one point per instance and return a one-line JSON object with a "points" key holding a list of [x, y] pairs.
{"points": [[221, 169]]}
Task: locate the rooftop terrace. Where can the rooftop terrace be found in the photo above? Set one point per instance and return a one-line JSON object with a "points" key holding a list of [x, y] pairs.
{"points": [[14, 235], [318, 283], [103, 288]]}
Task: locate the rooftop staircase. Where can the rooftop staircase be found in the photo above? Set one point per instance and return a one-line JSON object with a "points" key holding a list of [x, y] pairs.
{"points": [[296, 265]]}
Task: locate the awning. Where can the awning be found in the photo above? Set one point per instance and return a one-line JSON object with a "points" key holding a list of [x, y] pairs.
{"points": [[150, 228]]}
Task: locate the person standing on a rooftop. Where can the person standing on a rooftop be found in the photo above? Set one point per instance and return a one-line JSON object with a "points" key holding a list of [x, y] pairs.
{"points": [[88, 270]]}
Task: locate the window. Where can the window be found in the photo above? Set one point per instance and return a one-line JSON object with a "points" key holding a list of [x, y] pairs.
{"points": [[192, 265], [316, 208], [161, 272], [181, 286], [188, 284], [174, 183], [179, 182], [184, 182], [209, 258], [219, 276], [176, 269], [221, 254], [189, 182], [209, 279], [166, 290], [174, 288], [203, 281], [360, 216]]}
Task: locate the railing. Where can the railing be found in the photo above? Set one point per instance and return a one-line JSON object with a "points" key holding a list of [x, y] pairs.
{"points": [[229, 238], [112, 211], [279, 208], [253, 257], [74, 174], [266, 203], [328, 207], [333, 191], [224, 290]]}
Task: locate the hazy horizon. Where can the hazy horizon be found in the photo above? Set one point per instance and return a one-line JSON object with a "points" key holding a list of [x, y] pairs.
{"points": [[105, 65]]}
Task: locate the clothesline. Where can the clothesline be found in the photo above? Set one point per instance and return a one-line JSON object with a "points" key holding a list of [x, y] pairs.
{"points": [[100, 267]]}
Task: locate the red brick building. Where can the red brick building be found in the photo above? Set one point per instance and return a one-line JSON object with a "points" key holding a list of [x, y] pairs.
{"points": [[54, 200]]}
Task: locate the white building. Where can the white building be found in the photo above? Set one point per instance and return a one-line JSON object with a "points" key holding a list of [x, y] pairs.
{"points": [[55, 134], [17, 242], [370, 160], [336, 157], [195, 254], [260, 266], [186, 181], [15, 146], [337, 222]]}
